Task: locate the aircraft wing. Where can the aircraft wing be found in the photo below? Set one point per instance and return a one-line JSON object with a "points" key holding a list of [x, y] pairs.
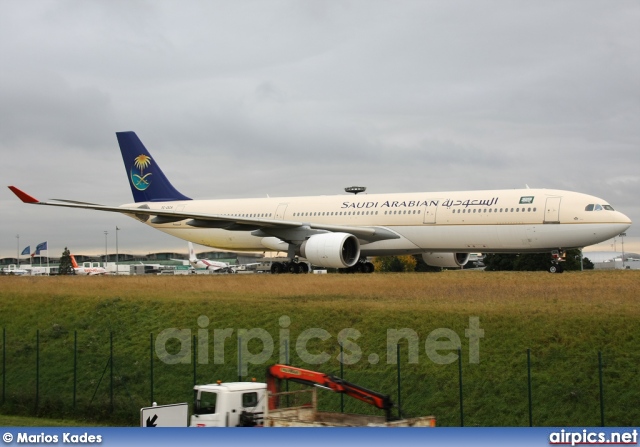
{"points": [[283, 229]]}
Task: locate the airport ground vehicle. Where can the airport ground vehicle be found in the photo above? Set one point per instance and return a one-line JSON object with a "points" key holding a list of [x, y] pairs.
{"points": [[251, 404]]}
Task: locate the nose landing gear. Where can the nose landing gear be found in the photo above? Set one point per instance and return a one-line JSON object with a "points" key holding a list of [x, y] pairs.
{"points": [[558, 256]]}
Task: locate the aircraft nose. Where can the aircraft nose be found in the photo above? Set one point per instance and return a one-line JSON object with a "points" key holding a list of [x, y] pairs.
{"points": [[623, 219]]}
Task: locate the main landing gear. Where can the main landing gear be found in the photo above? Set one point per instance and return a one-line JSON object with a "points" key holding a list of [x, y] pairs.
{"points": [[294, 266], [297, 266], [361, 266]]}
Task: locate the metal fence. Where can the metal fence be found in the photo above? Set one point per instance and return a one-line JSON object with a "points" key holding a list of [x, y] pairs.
{"points": [[106, 380]]}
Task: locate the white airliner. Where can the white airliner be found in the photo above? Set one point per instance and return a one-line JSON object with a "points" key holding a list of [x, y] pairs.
{"points": [[87, 268], [208, 264], [341, 231], [12, 269]]}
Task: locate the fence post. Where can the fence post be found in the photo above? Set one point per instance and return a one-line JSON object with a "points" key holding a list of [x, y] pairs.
{"points": [[529, 387], [460, 385], [75, 367], [194, 353], [111, 371], [341, 376], [4, 362], [286, 362], [399, 385], [151, 365], [239, 359], [37, 368], [601, 389]]}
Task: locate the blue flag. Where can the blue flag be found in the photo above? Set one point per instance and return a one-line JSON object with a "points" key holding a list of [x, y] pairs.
{"points": [[41, 246], [27, 250]]}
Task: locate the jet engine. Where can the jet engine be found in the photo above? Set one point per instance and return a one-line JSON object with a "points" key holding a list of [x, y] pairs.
{"points": [[336, 250], [445, 259]]}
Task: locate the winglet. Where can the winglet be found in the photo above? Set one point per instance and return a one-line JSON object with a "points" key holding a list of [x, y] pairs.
{"points": [[26, 198]]}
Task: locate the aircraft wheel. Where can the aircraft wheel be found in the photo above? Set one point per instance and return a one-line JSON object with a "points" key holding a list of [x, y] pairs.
{"points": [[277, 268], [293, 267], [370, 267], [556, 268], [304, 267]]}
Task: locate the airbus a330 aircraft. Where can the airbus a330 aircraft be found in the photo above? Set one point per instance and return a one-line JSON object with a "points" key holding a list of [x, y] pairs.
{"points": [[341, 231]]}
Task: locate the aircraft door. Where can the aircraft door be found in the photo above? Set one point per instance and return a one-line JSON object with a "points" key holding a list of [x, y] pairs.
{"points": [[280, 211], [430, 211], [552, 210]]}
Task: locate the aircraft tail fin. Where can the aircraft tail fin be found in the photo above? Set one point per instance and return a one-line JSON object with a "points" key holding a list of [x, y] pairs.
{"points": [[73, 261], [148, 182], [192, 254]]}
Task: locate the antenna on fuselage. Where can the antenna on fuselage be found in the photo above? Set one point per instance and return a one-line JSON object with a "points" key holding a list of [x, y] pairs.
{"points": [[355, 189]]}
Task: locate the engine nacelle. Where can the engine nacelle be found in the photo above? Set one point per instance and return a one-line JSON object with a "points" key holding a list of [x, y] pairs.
{"points": [[335, 250], [445, 259]]}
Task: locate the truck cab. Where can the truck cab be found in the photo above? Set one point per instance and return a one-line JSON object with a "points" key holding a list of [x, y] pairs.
{"points": [[223, 404]]}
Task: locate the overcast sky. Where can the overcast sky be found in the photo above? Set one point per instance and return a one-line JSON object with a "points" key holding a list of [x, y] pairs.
{"points": [[249, 98]]}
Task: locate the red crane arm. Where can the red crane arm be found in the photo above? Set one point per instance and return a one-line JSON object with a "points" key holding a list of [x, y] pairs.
{"points": [[277, 373]]}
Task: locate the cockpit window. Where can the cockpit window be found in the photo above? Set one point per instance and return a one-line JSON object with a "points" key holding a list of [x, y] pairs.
{"points": [[597, 207]]}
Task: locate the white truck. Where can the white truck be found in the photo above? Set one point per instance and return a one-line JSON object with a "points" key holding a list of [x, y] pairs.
{"points": [[250, 404]]}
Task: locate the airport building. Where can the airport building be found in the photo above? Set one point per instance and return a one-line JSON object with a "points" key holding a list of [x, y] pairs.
{"points": [[123, 262]]}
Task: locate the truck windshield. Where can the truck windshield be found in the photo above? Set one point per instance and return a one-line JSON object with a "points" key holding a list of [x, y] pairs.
{"points": [[206, 404]]}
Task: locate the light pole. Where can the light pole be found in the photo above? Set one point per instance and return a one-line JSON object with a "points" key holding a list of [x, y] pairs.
{"points": [[18, 251], [117, 229], [105, 248], [622, 235]]}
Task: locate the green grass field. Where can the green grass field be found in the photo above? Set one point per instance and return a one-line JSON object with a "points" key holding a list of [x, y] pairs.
{"points": [[565, 320]]}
